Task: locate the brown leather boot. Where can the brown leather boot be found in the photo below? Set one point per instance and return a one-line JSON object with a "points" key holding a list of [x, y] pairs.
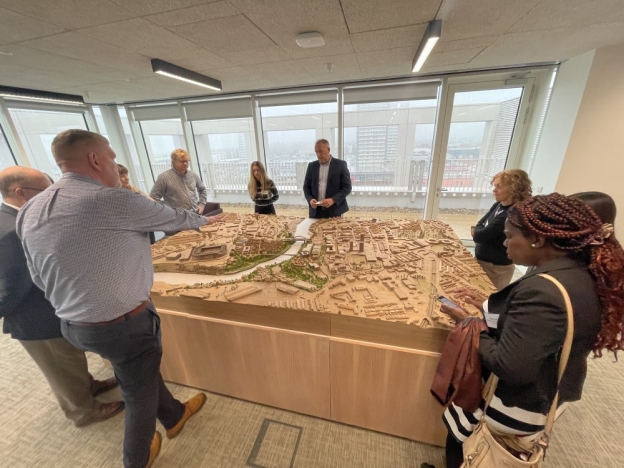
{"points": [[104, 412]]}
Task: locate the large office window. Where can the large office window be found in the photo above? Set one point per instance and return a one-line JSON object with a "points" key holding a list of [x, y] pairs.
{"points": [[162, 131], [6, 156], [36, 130], [481, 130], [388, 139], [291, 124], [138, 170], [223, 131]]}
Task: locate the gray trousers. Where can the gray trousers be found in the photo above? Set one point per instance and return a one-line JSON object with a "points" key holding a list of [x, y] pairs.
{"points": [[500, 275], [134, 349], [66, 370]]}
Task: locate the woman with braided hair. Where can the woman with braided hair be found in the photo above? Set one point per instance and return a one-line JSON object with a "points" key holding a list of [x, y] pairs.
{"points": [[563, 237]]}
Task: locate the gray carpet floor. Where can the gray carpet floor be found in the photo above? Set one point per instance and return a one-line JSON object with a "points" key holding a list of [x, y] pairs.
{"points": [[234, 433]]}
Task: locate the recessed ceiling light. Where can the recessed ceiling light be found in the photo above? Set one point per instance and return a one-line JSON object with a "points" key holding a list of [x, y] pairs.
{"points": [[310, 40]]}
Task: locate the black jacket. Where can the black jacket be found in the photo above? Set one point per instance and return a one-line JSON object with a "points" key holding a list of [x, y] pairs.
{"points": [[524, 349], [338, 186], [28, 315], [489, 239]]}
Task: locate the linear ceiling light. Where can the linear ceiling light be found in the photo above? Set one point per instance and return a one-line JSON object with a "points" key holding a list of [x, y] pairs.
{"points": [[169, 69], [37, 95], [432, 34]]}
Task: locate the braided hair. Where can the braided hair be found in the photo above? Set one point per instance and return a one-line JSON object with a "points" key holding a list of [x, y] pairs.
{"points": [[569, 224]]}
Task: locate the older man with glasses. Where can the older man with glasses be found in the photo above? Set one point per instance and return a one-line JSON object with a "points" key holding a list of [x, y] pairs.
{"points": [[179, 187], [30, 318]]}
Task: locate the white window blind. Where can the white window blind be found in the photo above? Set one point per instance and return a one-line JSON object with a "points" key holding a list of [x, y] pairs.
{"points": [[167, 111], [391, 93], [219, 109], [290, 99]]}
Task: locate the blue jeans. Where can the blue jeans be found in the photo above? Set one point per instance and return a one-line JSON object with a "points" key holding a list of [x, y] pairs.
{"points": [[134, 349]]}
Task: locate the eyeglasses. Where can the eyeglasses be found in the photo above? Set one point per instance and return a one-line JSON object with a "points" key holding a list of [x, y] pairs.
{"points": [[32, 188], [184, 161]]}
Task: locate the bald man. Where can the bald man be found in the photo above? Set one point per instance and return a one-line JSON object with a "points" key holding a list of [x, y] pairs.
{"points": [[87, 245], [29, 317]]}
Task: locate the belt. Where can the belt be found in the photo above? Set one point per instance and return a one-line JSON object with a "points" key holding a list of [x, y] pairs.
{"points": [[122, 318]]}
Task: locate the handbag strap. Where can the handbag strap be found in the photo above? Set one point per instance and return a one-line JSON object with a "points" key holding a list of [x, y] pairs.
{"points": [[565, 353], [491, 384]]}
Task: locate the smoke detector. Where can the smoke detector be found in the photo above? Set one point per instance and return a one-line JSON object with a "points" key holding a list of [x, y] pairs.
{"points": [[309, 40]]}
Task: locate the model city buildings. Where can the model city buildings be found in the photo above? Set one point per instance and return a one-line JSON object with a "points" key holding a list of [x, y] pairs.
{"points": [[377, 269]]}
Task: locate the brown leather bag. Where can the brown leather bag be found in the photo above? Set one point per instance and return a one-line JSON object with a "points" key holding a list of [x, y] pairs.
{"points": [[458, 375]]}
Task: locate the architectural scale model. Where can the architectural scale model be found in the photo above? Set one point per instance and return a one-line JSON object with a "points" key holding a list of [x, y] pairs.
{"points": [[377, 269], [238, 243]]}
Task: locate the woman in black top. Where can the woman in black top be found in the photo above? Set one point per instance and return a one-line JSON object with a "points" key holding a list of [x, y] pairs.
{"points": [[563, 237], [510, 187], [262, 190]]}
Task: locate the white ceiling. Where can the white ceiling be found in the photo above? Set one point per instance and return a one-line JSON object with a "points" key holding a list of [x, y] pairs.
{"points": [[101, 49]]}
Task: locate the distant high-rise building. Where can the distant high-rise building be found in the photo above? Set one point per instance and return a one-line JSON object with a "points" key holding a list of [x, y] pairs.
{"points": [[376, 147]]}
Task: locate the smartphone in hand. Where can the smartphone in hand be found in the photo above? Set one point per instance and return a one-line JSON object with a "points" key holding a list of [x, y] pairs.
{"points": [[448, 302]]}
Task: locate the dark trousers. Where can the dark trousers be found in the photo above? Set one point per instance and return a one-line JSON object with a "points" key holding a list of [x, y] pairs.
{"points": [[134, 349], [454, 452], [266, 209]]}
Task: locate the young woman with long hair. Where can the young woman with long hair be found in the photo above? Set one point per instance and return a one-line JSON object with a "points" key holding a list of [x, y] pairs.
{"points": [[261, 189]]}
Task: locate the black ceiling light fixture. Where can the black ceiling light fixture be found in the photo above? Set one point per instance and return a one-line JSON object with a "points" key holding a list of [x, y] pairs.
{"points": [[429, 40], [173, 71], [37, 95]]}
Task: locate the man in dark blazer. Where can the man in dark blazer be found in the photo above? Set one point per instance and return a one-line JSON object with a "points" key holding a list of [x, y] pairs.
{"points": [[327, 184], [30, 318]]}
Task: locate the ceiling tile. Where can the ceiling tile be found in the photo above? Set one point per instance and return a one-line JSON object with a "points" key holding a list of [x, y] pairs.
{"points": [[15, 27], [43, 61], [441, 69], [143, 37], [194, 14], [26, 77], [370, 15], [71, 14], [278, 71], [548, 46], [148, 7], [196, 59], [391, 62], [551, 14], [343, 67], [237, 78], [452, 46], [407, 36], [250, 57], [88, 49], [438, 59], [282, 21], [233, 33], [331, 47], [461, 20]]}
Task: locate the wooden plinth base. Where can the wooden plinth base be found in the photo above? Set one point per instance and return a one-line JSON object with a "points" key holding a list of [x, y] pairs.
{"points": [[367, 373]]}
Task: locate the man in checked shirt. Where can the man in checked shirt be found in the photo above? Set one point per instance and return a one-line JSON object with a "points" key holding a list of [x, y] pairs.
{"points": [[179, 187], [75, 236]]}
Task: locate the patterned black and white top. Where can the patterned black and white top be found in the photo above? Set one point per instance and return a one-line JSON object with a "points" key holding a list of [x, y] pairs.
{"points": [[524, 349], [266, 198], [179, 191], [87, 246]]}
